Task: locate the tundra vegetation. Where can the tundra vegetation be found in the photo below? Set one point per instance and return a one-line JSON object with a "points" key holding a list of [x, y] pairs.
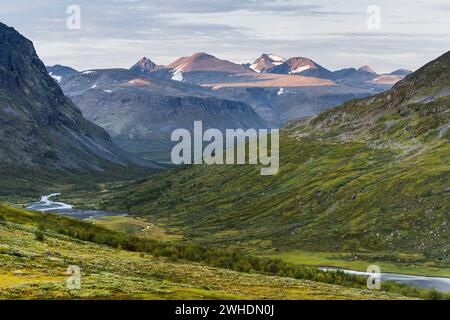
{"points": [[118, 265]]}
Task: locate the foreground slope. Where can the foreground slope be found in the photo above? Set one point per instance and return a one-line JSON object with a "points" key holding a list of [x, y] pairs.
{"points": [[34, 267], [369, 175]]}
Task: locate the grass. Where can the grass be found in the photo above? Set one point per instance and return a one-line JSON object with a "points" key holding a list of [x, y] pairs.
{"points": [[324, 196], [32, 269], [19, 185], [414, 264], [134, 226]]}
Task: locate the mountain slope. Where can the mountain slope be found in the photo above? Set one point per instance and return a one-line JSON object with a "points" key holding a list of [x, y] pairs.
{"points": [[400, 72], [205, 62], [366, 78], [58, 72], [371, 174], [200, 68], [281, 104], [41, 129]]}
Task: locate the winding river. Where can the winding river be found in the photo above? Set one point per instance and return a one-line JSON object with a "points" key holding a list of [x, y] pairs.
{"points": [[46, 205], [437, 283]]}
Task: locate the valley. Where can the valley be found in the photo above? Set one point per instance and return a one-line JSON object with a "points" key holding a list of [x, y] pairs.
{"points": [[363, 179], [367, 177], [403, 263], [407, 264]]}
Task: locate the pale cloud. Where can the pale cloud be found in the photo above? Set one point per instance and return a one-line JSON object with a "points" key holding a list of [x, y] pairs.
{"points": [[116, 33]]}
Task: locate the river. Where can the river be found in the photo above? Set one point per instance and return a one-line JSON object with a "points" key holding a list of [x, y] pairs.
{"points": [[437, 283], [46, 205]]}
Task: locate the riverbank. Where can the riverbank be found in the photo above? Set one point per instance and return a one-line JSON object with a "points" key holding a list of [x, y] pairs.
{"points": [[429, 283], [409, 264]]}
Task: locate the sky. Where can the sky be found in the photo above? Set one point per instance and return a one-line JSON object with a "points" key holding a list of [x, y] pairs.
{"points": [[384, 34]]}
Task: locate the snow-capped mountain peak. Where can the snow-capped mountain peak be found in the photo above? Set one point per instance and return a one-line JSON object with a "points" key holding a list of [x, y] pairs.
{"points": [[276, 58], [266, 62]]}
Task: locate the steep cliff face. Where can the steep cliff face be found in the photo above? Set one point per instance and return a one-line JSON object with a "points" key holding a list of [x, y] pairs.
{"points": [[40, 128], [142, 115]]}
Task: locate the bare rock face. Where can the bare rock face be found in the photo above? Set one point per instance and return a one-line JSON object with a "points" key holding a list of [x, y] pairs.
{"points": [[145, 65], [40, 127], [205, 62]]}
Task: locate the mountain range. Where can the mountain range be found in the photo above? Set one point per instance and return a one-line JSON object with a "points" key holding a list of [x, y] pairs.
{"points": [[268, 70], [140, 111], [270, 63], [140, 107]]}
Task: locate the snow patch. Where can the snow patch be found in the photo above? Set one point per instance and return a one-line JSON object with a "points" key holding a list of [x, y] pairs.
{"points": [[177, 76], [107, 91], [254, 67], [56, 77], [177, 73], [88, 72], [281, 91], [300, 69], [94, 86], [276, 58]]}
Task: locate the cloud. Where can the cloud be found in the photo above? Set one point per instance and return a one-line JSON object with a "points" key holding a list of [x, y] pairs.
{"points": [[220, 6], [115, 33]]}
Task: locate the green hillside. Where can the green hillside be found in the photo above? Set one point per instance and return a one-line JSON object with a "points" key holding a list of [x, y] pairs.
{"points": [[36, 249], [369, 176]]}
